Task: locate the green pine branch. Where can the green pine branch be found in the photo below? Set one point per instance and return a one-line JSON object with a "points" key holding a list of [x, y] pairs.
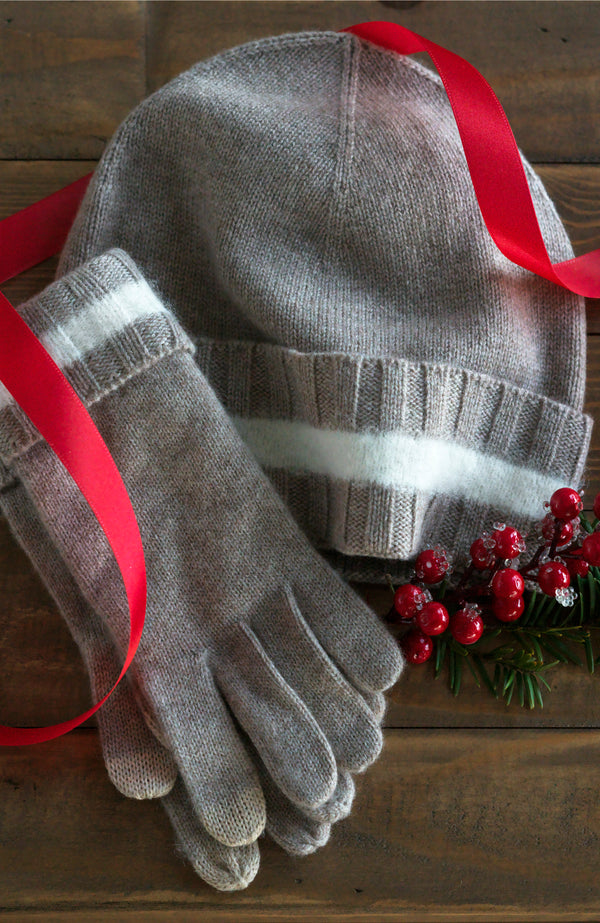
{"points": [[547, 634]]}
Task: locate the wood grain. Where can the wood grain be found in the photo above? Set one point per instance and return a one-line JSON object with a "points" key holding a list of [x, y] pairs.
{"points": [[497, 825], [575, 190], [70, 72], [474, 811], [540, 58]]}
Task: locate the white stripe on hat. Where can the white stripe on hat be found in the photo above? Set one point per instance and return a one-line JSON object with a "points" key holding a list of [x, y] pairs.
{"points": [[397, 460]]}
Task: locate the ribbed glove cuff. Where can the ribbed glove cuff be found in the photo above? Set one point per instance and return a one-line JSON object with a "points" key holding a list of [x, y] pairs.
{"points": [[102, 324]]}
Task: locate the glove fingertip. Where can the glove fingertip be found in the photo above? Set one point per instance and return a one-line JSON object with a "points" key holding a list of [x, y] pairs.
{"points": [[134, 780], [237, 874], [377, 702], [304, 842]]}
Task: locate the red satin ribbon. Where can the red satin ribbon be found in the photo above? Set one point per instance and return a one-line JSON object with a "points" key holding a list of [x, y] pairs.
{"points": [[493, 158], [42, 391], [39, 231]]}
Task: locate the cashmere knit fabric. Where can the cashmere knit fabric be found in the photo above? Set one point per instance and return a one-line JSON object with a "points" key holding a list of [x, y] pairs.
{"points": [[303, 205], [137, 763], [245, 621]]}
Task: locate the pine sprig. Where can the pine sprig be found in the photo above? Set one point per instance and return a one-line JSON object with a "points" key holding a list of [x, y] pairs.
{"points": [[543, 612], [542, 639]]}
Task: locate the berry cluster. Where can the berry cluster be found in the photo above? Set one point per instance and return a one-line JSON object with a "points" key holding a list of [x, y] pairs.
{"points": [[492, 585]]}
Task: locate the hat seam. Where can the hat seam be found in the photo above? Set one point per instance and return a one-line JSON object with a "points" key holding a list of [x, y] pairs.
{"points": [[345, 149]]}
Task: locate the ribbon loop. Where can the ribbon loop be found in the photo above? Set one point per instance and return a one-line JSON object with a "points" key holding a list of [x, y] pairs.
{"points": [[40, 388], [493, 159]]}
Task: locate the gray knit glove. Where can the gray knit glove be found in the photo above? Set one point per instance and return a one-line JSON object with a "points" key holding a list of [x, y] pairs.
{"points": [[245, 622], [138, 765]]}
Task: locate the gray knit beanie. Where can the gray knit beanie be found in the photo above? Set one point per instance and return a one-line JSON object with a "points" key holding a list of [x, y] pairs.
{"points": [[303, 205]]}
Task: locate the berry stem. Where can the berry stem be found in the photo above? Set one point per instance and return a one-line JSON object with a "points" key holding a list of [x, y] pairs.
{"points": [[390, 616], [498, 565], [465, 577], [388, 580], [527, 568], [555, 538], [573, 551]]}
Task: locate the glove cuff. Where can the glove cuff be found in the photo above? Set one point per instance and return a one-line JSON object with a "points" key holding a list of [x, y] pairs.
{"points": [[102, 324]]}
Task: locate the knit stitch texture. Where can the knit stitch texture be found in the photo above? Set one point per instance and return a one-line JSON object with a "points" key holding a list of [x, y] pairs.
{"points": [[249, 634], [303, 205]]}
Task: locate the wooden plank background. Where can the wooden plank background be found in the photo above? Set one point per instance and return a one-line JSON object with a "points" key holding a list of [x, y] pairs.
{"points": [[474, 811]]}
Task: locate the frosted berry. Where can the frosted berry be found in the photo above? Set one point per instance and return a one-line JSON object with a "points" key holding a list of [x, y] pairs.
{"points": [[408, 599], [507, 583], [433, 618], [508, 543], [431, 565], [591, 549], [566, 596], [549, 524], [565, 503], [466, 625], [508, 610], [597, 506], [481, 556], [416, 647], [577, 567], [552, 577]]}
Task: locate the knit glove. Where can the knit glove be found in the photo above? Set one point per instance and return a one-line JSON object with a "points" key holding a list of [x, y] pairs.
{"points": [[247, 627], [138, 765]]}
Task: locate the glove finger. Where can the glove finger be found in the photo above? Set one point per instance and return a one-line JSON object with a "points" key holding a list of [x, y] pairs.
{"points": [[223, 867], [288, 739], [137, 765], [339, 805], [219, 775], [350, 727], [193, 719], [377, 702], [288, 826], [343, 622]]}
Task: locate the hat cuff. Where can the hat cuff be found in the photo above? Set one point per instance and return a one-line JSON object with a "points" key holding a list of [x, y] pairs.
{"points": [[378, 457]]}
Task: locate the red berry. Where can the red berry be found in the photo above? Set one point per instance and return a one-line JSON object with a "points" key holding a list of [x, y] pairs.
{"points": [[508, 610], [431, 565], [408, 599], [597, 506], [508, 543], [552, 577], [549, 528], [566, 534], [508, 583], [466, 626], [433, 618], [566, 503], [416, 646], [591, 549], [481, 556], [577, 567]]}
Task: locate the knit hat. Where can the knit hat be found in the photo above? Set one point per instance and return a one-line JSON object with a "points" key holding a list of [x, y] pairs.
{"points": [[303, 205]]}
